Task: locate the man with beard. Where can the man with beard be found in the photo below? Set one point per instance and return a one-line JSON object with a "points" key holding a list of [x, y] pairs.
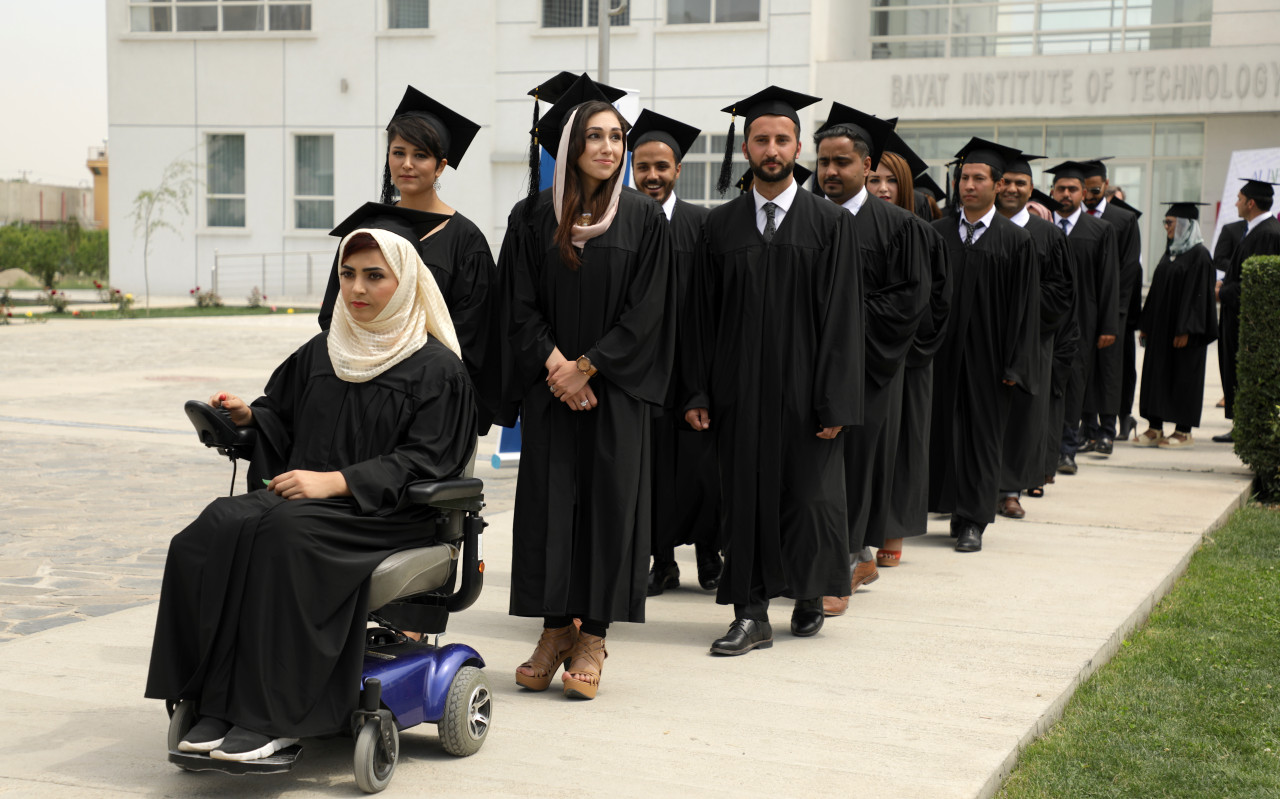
{"points": [[1104, 400], [893, 247], [991, 349], [773, 361], [686, 492], [1261, 237], [1092, 245], [1035, 422]]}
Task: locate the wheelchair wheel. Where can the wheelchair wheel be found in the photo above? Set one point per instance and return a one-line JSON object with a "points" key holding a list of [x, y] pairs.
{"points": [[374, 762], [181, 722], [468, 711]]}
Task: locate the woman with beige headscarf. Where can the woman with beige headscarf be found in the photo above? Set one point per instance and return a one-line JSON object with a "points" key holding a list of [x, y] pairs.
{"points": [[262, 609]]}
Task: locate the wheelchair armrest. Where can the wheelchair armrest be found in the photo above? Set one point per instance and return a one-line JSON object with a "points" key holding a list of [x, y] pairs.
{"points": [[460, 493], [215, 429]]}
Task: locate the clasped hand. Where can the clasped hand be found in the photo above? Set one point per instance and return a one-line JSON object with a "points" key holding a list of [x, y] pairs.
{"points": [[569, 384]]}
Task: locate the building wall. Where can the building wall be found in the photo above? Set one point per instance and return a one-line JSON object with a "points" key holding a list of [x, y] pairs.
{"points": [[43, 204]]}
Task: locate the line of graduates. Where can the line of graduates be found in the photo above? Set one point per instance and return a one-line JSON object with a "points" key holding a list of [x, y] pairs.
{"points": [[788, 381]]}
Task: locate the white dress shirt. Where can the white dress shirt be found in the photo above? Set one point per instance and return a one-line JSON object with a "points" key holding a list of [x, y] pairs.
{"points": [[986, 224], [669, 206], [783, 201], [1253, 223], [1021, 218], [1100, 208], [854, 203], [1071, 220]]}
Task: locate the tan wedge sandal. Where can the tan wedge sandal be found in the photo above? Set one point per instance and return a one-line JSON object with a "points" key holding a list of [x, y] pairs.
{"points": [[552, 652], [585, 661]]}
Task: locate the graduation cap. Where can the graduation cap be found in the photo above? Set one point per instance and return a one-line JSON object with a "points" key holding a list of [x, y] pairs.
{"points": [[925, 182], [455, 130], [1045, 200], [1129, 208], [800, 172], [1255, 189], [1073, 170], [870, 129], [1095, 168], [981, 151], [1183, 210], [1021, 164], [894, 144], [553, 89], [547, 130], [773, 101], [407, 223], [651, 126]]}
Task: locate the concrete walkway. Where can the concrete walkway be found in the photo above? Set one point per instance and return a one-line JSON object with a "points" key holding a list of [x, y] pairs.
{"points": [[940, 672]]}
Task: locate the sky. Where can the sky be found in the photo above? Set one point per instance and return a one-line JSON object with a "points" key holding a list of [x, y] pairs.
{"points": [[53, 59]]}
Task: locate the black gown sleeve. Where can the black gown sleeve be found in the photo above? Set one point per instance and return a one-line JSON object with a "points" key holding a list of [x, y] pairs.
{"points": [[526, 339], [839, 374], [1022, 335], [471, 305], [699, 320], [1108, 285], [895, 309]]}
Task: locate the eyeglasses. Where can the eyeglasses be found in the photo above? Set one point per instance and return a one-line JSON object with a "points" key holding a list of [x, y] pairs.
{"points": [[1094, 191], [1169, 222]]}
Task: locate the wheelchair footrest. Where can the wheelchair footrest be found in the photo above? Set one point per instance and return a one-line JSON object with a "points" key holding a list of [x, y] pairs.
{"points": [[278, 763]]}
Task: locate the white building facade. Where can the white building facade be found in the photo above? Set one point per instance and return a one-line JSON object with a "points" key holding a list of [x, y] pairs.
{"points": [[280, 105]]}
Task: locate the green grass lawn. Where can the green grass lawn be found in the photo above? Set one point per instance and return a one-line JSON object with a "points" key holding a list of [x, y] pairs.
{"points": [[158, 313], [1188, 706]]}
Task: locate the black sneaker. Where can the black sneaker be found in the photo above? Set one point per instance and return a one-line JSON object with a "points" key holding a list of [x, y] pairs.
{"points": [[206, 736], [241, 744]]}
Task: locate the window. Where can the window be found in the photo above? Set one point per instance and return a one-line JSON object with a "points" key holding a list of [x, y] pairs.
{"points": [[962, 28], [579, 13], [224, 180], [313, 182], [211, 16], [408, 14], [692, 12]]}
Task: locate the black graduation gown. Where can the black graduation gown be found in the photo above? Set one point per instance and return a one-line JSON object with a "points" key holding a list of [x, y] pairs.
{"points": [[775, 352], [686, 480], [1262, 240], [460, 260], [1102, 393], [1179, 302], [262, 608], [1092, 245], [1029, 415], [992, 335], [908, 513], [581, 532], [1223, 252], [893, 249]]}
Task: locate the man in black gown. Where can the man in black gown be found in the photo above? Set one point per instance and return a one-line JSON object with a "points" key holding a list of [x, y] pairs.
{"points": [[1092, 244], [991, 347], [1262, 237], [1029, 416], [686, 489], [893, 248], [1102, 397], [774, 363]]}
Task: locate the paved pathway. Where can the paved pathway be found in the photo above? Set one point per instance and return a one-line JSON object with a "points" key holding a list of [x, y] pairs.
{"points": [[927, 688]]}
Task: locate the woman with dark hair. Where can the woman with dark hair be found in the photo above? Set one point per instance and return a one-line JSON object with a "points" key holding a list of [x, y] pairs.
{"points": [[891, 181], [423, 138], [590, 344]]}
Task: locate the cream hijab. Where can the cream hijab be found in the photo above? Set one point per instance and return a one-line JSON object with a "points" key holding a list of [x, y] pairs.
{"points": [[581, 234], [360, 351]]}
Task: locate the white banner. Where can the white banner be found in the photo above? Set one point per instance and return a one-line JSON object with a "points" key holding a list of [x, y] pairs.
{"points": [[1256, 164]]}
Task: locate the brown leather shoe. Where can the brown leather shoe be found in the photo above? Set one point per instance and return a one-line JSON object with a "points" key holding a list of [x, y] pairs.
{"points": [[1011, 507], [834, 605], [863, 574]]}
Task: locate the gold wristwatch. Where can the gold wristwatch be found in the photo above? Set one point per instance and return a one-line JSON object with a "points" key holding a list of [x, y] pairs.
{"points": [[584, 366]]}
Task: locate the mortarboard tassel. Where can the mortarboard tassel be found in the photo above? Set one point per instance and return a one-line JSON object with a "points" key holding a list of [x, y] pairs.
{"points": [[726, 168], [535, 165]]}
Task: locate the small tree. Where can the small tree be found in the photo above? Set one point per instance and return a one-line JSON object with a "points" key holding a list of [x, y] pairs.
{"points": [[152, 207]]}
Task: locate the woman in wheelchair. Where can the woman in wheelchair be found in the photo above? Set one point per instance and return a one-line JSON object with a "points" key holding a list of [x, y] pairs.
{"points": [[262, 610]]}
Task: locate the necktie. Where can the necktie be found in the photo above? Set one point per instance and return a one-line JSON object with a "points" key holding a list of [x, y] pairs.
{"points": [[1093, 212], [969, 229], [1062, 223], [769, 227]]}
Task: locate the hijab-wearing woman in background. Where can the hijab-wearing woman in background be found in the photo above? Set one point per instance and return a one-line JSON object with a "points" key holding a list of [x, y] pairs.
{"points": [[1179, 321], [590, 346], [423, 138], [263, 605]]}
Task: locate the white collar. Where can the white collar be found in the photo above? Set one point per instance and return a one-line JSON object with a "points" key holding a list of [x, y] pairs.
{"points": [[1257, 220], [669, 206], [854, 203], [1021, 218], [1101, 207], [783, 200], [1057, 217], [985, 220]]}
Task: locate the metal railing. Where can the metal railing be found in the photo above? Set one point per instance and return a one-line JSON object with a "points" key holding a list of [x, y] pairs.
{"points": [[294, 274]]}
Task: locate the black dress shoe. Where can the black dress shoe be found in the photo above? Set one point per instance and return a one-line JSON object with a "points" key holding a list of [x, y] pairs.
{"points": [[970, 539], [1104, 447], [663, 576], [1066, 464], [709, 565], [745, 635], [1225, 438], [1127, 425], [806, 618], [1088, 446]]}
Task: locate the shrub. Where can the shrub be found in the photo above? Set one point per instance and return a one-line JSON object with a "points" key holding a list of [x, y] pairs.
{"points": [[57, 300], [1257, 404], [256, 298], [205, 299]]}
